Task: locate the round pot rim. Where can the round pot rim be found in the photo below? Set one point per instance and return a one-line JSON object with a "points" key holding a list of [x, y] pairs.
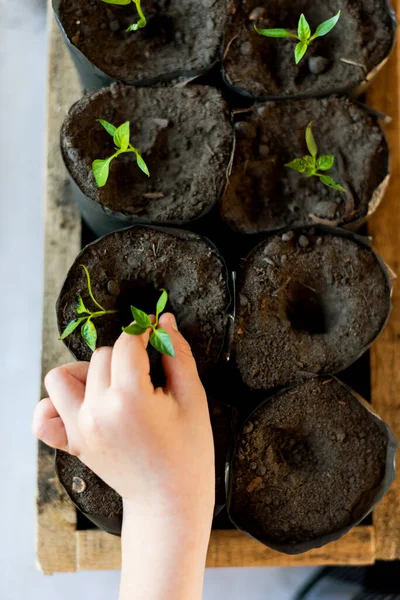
{"points": [[178, 233], [362, 241], [126, 217], [376, 195], [142, 82], [359, 87], [381, 490]]}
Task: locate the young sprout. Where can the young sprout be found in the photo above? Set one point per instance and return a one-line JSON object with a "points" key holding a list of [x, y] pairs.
{"points": [[159, 338], [142, 19], [311, 165], [88, 330], [303, 34], [121, 136]]}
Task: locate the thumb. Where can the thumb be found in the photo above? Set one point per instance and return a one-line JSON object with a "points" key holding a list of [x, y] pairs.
{"points": [[182, 378]]}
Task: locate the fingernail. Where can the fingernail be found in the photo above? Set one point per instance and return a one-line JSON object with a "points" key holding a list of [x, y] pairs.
{"points": [[172, 320]]}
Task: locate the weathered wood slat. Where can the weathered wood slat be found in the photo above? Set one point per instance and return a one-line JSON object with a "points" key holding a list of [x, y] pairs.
{"points": [[97, 550], [56, 517], [385, 354]]}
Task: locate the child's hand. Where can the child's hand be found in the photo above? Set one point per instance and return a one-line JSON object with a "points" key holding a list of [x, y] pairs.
{"points": [[153, 446]]}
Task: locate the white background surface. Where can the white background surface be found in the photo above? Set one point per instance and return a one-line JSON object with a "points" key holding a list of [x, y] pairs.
{"points": [[22, 123]]}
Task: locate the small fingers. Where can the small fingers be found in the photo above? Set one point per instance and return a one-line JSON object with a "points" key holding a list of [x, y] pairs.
{"points": [[48, 426], [66, 387], [181, 372], [130, 365], [99, 375]]}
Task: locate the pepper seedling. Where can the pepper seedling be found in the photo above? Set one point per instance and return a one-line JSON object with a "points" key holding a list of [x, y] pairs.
{"points": [[88, 330], [303, 34], [121, 136], [311, 165], [159, 338], [142, 19]]}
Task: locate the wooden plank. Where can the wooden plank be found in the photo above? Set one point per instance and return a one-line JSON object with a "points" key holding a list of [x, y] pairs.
{"points": [[98, 550], [56, 516], [385, 354]]}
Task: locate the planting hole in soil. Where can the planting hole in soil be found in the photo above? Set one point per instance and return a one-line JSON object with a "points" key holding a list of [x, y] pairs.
{"points": [[185, 137], [265, 194], [309, 464], [103, 506], [265, 67], [311, 301], [180, 38], [130, 267]]}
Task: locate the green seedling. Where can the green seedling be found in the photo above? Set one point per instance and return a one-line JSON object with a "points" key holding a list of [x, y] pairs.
{"points": [[303, 34], [142, 19], [159, 338], [312, 165], [121, 136], [88, 329]]}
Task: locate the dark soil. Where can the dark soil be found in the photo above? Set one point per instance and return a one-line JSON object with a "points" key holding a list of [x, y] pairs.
{"points": [[265, 67], [308, 463], [129, 267], [180, 37], [310, 302], [264, 195], [94, 497], [185, 136]]}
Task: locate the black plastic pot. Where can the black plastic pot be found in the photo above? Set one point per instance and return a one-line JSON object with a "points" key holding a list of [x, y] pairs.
{"points": [[317, 304], [264, 195], [93, 77], [130, 266], [78, 480], [244, 47], [185, 136], [298, 456]]}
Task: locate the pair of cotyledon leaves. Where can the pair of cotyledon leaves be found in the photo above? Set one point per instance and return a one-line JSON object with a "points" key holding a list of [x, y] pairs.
{"points": [[303, 34], [121, 137]]}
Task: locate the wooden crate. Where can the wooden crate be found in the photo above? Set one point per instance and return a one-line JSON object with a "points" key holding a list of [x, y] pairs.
{"points": [[61, 547]]}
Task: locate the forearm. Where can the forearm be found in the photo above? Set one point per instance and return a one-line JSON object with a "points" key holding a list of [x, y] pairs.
{"points": [[163, 558]]}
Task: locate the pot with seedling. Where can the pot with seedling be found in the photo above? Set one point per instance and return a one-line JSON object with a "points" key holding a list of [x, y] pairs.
{"points": [[300, 162], [311, 302], [142, 42], [147, 155], [309, 464], [280, 50], [126, 276]]}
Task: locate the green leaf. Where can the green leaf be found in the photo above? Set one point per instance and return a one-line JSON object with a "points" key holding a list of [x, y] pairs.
{"points": [[298, 164], [120, 2], [275, 33], [81, 308], [300, 51], [141, 318], [304, 31], [331, 183], [324, 163], [134, 329], [101, 170], [326, 26], [109, 127], [122, 135], [89, 334], [161, 341], [141, 164], [161, 304], [71, 327], [310, 141]]}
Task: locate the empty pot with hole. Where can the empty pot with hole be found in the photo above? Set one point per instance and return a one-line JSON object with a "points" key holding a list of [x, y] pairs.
{"points": [[309, 464], [310, 301]]}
